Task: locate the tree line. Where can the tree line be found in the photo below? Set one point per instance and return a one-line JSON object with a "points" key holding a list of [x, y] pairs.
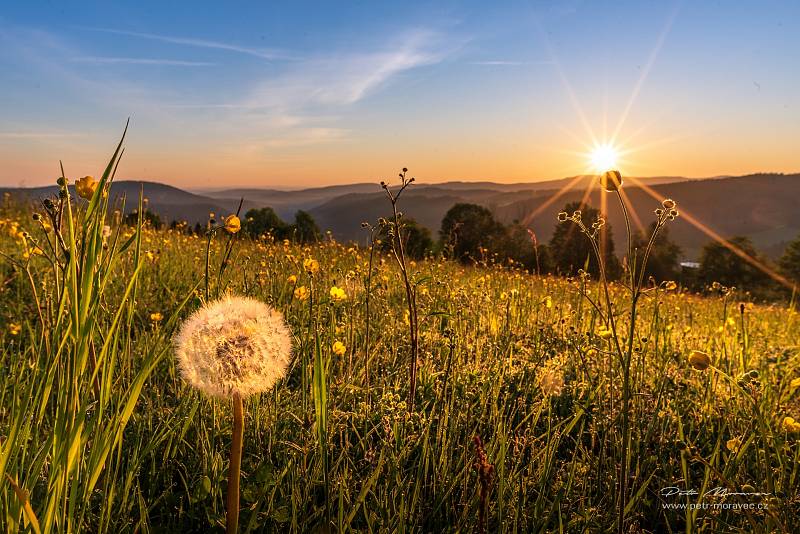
{"points": [[470, 233]]}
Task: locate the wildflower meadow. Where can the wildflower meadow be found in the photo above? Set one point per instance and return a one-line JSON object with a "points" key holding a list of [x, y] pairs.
{"points": [[166, 381]]}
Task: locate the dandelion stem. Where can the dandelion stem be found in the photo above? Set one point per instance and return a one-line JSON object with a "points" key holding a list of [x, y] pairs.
{"points": [[208, 260], [234, 471]]}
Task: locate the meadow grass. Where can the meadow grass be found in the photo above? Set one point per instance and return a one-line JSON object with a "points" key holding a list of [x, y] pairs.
{"points": [[98, 432]]}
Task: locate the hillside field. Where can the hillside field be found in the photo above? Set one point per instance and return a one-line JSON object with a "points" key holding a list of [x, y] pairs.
{"points": [[516, 425]]}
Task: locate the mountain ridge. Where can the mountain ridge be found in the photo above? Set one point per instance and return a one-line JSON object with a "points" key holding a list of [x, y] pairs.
{"points": [[760, 206]]}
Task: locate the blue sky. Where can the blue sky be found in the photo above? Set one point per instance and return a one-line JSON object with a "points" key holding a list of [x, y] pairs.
{"points": [[297, 94]]}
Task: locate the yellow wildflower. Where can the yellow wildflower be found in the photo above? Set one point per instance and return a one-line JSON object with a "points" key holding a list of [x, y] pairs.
{"points": [[699, 360], [85, 187], [794, 384], [338, 294], [734, 444], [339, 348], [605, 333], [311, 265], [232, 224], [292, 279], [671, 286], [14, 328], [301, 293], [790, 425], [156, 317]]}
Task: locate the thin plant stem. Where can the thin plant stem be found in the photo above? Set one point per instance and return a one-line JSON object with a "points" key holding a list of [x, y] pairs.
{"points": [[235, 468]]}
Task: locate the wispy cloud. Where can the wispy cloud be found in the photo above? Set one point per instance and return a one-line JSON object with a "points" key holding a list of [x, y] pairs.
{"points": [[98, 60], [263, 53], [504, 63], [38, 135], [291, 105], [346, 78]]}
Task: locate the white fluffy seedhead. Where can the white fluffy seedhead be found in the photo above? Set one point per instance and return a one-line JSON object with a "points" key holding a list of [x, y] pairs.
{"points": [[234, 345]]}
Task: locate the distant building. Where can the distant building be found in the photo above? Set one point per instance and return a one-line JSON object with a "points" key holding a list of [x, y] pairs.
{"points": [[689, 272]]}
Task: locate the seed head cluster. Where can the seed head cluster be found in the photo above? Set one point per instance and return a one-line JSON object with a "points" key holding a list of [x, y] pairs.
{"points": [[234, 345]]}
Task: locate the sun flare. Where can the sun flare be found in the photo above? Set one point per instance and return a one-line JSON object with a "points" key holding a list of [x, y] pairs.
{"points": [[604, 157]]}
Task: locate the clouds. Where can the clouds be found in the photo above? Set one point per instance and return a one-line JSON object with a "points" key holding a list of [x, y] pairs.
{"points": [[344, 78], [263, 53], [506, 63], [99, 60], [38, 135], [229, 100]]}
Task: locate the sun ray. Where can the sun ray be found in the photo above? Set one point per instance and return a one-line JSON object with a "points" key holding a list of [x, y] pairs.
{"points": [[547, 203], [574, 102], [637, 221], [645, 73], [718, 238]]}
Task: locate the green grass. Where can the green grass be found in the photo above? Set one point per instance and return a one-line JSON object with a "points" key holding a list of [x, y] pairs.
{"points": [[98, 433]]}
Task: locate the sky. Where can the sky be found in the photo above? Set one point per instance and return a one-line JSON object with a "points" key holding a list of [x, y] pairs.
{"points": [[299, 94]]}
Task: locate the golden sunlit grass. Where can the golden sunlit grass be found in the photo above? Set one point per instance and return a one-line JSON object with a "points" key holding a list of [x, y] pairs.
{"points": [[523, 384]]}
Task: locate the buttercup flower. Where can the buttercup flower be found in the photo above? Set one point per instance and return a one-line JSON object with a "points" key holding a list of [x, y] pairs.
{"points": [[311, 265], [605, 333], [794, 384], [156, 317], [611, 181], [733, 444], [339, 348], [14, 328], [232, 224], [301, 293], [790, 424], [338, 294], [85, 187], [233, 346], [292, 279]]}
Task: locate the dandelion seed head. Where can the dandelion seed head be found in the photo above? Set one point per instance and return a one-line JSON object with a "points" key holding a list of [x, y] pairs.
{"points": [[234, 345]]}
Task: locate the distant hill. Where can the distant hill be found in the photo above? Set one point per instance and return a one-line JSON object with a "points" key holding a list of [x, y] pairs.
{"points": [[169, 202], [761, 206]]}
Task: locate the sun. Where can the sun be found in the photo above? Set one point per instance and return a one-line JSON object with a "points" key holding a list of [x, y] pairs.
{"points": [[604, 157]]}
